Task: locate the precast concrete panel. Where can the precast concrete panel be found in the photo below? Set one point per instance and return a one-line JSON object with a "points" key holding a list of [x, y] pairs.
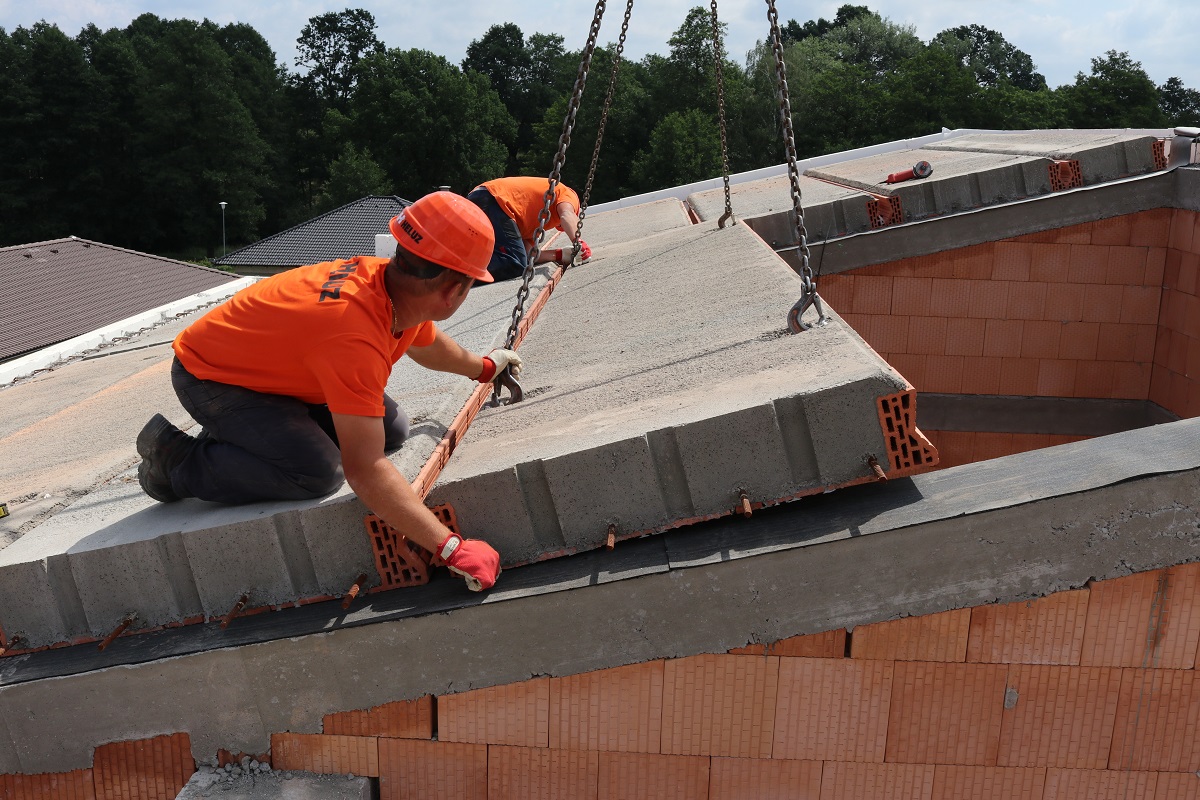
{"points": [[1102, 155]]}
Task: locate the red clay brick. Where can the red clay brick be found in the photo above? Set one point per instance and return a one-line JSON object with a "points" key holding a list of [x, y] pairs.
{"points": [[1158, 721], [1089, 264], [516, 714], [981, 376], [1064, 302], [889, 334], [974, 263], [1115, 342], [930, 637], [841, 781], [1178, 352], [943, 374], [1094, 784], [1040, 338], [610, 709], [989, 299], [1160, 387], [838, 292], [936, 265], [1002, 338], [1177, 786], [720, 705], [76, 785], [946, 713], [1192, 367], [927, 335], [1056, 378], [910, 366], [988, 783], [965, 336], [1182, 224], [534, 773], [954, 447], [1051, 263], [1156, 261], [828, 644], [1075, 234], [634, 776], [325, 753], [1145, 337], [1151, 619], [1027, 300], [1101, 303], [144, 769], [1171, 269], [1131, 381], [1047, 630], [1059, 716], [872, 294], [951, 297], [411, 768], [764, 779], [404, 719], [913, 297], [1079, 340], [1189, 273], [1127, 266], [1139, 304], [832, 709], [1114, 230], [1150, 228], [1019, 376], [1012, 261]]}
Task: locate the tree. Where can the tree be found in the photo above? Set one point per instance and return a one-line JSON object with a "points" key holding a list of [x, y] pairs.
{"points": [[352, 175], [928, 92], [1179, 104], [990, 57], [684, 148], [1118, 94], [795, 32], [331, 46], [501, 56]]}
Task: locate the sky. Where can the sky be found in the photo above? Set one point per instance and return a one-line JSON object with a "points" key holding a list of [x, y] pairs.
{"points": [[1062, 36]]}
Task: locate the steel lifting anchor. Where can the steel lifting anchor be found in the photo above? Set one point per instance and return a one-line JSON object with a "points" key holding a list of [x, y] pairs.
{"points": [[506, 380], [808, 300]]}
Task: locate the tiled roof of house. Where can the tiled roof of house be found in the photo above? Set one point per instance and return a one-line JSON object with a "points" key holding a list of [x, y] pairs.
{"points": [[341, 233], [63, 288]]}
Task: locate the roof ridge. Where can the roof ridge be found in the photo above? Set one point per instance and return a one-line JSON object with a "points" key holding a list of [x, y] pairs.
{"points": [[402, 201], [118, 248]]}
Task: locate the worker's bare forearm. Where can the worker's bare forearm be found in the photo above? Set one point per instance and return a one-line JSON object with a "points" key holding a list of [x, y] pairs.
{"points": [[447, 355], [385, 491]]}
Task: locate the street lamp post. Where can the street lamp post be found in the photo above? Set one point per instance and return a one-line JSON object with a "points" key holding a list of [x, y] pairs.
{"points": [[224, 251]]}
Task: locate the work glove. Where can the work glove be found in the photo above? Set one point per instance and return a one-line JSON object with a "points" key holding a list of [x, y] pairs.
{"points": [[495, 362], [474, 559], [585, 252]]}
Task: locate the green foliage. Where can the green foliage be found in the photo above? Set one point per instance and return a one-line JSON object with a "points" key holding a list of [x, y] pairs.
{"points": [[331, 46], [1118, 94], [990, 57], [352, 176], [684, 148], [1179, 104]]}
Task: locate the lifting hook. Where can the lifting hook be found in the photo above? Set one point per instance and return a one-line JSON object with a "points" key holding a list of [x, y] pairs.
{"points": [[807, 300], [506, 380]]}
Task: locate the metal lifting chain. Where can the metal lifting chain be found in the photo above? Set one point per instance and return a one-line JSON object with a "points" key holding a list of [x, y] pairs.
{"points": [[718, 55], [612, 85], [808, 291], [564, 141]]}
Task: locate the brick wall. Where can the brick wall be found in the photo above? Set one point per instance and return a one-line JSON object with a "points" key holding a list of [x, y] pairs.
{"points": [[1106, 309]]}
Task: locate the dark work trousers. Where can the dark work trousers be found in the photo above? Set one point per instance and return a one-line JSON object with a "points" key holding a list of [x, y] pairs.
{"points": [[508, 256], [258, 446]]}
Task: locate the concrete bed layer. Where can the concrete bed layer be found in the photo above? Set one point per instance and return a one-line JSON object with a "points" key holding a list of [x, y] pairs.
{"points": [[661, 384], [1102, 155], [999, 531]]}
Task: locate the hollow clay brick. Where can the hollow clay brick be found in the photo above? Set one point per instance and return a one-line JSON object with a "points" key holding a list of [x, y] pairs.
{"points": [[1094, 784], [1012, 260], [637, 776], [1112, 231], [144, 769], [764, 779], [404, 719], [536, 773], [929, 637], [832, 709], [945, 713], [515, 714], [619, 708], [1158, 721], [722, 705], [1177, 786], [1046, 630], [850, 781], [411, 768], [76, 785], [1059, 716], [988, 783], [1127, 266], [324, 753], [1150, 619]]}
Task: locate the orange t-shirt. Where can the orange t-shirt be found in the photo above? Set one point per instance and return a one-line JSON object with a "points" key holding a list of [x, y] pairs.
{"points": [[321, 334], [522, 199]]}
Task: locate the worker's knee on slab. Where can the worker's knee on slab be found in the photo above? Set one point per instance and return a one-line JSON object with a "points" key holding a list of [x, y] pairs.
{"points": [[318, 482]]}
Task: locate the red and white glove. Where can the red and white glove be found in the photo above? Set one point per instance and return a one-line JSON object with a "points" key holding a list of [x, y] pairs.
{"points": [[474, 559], [585, 252], [495, 362]]}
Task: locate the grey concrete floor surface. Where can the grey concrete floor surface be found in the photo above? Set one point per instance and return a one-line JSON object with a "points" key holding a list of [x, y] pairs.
{"points": [[276, 785]]}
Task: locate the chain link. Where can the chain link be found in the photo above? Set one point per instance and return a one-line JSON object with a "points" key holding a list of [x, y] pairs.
{"points": [[612, 85], [719, 56], [560, 157], [808, 286]]}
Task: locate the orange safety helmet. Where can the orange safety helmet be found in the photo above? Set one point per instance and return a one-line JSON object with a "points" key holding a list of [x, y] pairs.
{"points": [[448, 230]]}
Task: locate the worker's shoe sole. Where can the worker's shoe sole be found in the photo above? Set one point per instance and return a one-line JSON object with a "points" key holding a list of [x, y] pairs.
{"points": [[162, 447]]}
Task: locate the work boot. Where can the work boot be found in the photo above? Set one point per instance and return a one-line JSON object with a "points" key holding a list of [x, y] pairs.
{"points": [[162, 447]]}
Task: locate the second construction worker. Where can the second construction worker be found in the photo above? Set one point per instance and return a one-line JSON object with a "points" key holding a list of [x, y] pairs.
{"points": [[287, 380], [514, 206]]}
